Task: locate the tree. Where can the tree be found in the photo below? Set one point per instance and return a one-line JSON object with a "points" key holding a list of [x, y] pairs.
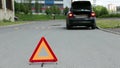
{"points": [[66, 10], [40, 7], [36, 6], [53, 10], [22, 7], [100, 10], [25, 8], [58, 11], [104, 11], [48, 11], [30, 6], [17, 7]]}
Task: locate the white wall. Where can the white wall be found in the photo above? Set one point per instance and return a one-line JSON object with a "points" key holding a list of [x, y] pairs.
{"points": [[112, 8], [6, 13]]}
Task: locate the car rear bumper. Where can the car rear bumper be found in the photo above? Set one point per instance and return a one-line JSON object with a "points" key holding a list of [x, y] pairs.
{"points": [[81, 22]]}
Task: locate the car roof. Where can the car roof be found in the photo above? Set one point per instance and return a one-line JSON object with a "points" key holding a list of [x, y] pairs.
{"points": [[81, 1]]}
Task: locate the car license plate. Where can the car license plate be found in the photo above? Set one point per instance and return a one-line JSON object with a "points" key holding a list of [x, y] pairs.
{"points": [[81, 16]]}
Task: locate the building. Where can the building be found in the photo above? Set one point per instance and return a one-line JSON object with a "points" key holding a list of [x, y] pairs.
{"points": [[7, 10], [118, 9], [47, 3], [112, 8]]}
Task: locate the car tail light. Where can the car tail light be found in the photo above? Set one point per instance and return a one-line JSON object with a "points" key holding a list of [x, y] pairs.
{"points": [[93, 14], [70, 15]]}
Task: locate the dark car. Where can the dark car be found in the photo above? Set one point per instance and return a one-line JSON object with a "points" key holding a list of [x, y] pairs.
{"points": [[81, 14]]}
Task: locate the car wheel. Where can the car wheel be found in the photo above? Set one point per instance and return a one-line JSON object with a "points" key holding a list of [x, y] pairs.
{"points": [[68, 26], [93, 27]]}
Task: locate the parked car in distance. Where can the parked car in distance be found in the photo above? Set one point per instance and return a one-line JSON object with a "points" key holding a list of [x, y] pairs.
{"points": [[81, 14]]}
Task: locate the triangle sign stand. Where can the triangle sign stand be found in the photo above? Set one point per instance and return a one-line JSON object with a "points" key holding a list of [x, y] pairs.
{"points": [[36, 54]]}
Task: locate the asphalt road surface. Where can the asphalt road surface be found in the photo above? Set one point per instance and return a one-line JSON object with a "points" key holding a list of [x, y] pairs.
{"points": [[75, 48]]}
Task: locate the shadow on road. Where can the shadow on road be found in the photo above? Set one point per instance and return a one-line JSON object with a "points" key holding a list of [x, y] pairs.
{"points": [[78, 28]]}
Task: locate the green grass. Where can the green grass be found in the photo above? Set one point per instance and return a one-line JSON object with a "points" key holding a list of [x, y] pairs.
{"points": [[38, 17], [23, 18], [110, 16], [107, 23], [60, 17], [9, 23]]}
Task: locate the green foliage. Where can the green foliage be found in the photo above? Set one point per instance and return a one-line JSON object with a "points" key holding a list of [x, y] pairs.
{"points": [[5, 23], [22, 8], [110, 16], [48, 11], [61, 16], [53, 10], [37, 6], [58, 11], [25, 8], [66, 10], [17, 7], [100, 10], [28, 17], [40, 8], [30, 6]]}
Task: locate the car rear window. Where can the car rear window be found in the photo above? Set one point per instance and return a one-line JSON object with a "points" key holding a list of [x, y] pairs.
{"points": [[81, 5]]}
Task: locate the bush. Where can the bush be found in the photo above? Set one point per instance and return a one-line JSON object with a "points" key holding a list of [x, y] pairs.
{"points": [[110, 16], [28, 17], [48, 11], [53, 10], [17, 7], [36, 6], [22, 8], [25, 8], [66, 10], [100, 10]]}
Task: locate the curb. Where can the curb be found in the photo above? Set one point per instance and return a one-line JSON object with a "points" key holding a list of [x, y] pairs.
{"points": [[110, 31]]}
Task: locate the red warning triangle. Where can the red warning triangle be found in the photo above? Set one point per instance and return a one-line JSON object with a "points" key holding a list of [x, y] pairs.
{"points": [[36, 57]]}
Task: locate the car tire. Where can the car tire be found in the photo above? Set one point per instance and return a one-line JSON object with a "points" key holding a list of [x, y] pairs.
{"points": [[93, 27], [68, 26]]}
